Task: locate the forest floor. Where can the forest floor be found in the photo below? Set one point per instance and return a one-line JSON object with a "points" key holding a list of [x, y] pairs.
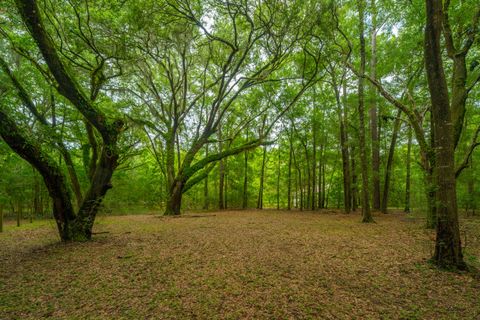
{"points": [[236, 265]]}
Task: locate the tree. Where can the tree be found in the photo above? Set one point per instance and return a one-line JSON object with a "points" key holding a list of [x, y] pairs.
{"points": [[72, 224], [205, 74], [448, 250], [366, 214]]}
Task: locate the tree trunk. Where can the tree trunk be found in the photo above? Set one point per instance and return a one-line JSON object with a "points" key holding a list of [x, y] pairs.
{"points": [[366, 214], [221, 174], [448, 249], [36, 193], [408, 169], [262, 179], [278, 179], [314, 166], [289, 186], [174, 203], [225, 185], [354, 181], [373, 115], [1, 217], [344, 147], [205, 186], [388, 169], [245, 181]]}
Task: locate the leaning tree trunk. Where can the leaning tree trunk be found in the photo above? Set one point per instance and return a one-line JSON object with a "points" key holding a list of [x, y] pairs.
{"points": [[388, 169], [448, 250]]}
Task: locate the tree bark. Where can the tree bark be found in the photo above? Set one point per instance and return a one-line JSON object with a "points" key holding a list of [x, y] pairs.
{"points": [[374, 130], [366, 214], [448, 250], [174, 202]]}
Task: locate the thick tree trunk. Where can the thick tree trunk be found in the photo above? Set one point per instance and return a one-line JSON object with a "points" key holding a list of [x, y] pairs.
{"points": [[408, 169], [366, 214], [431, 186], [448, 249], [373, 115], [388, 169], [174, 203]]}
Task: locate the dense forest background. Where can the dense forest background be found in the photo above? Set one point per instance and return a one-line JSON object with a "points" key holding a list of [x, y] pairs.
{"points": [[204, 105]]}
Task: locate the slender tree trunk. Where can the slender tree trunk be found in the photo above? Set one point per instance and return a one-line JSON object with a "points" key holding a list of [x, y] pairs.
{"points": [[301, 188], [320, 177], [221, 174], [262, 179], [408, 169], [347, 198], [245, 181], [1, 217], [373, 114], [314, 166], [354, 181], [324, 185], [289, 187], [448, 249], [205, 186], [225, 185], [19, 213], [36, 192], [307, 174], [278, 179], [388, 169], [366, 214]]}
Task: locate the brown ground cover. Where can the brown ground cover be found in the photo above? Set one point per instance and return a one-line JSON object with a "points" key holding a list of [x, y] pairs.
{"points": [[236, 265]]}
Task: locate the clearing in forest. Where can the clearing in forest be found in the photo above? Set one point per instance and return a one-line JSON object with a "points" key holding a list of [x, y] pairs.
{"points": [[235, 264]]}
